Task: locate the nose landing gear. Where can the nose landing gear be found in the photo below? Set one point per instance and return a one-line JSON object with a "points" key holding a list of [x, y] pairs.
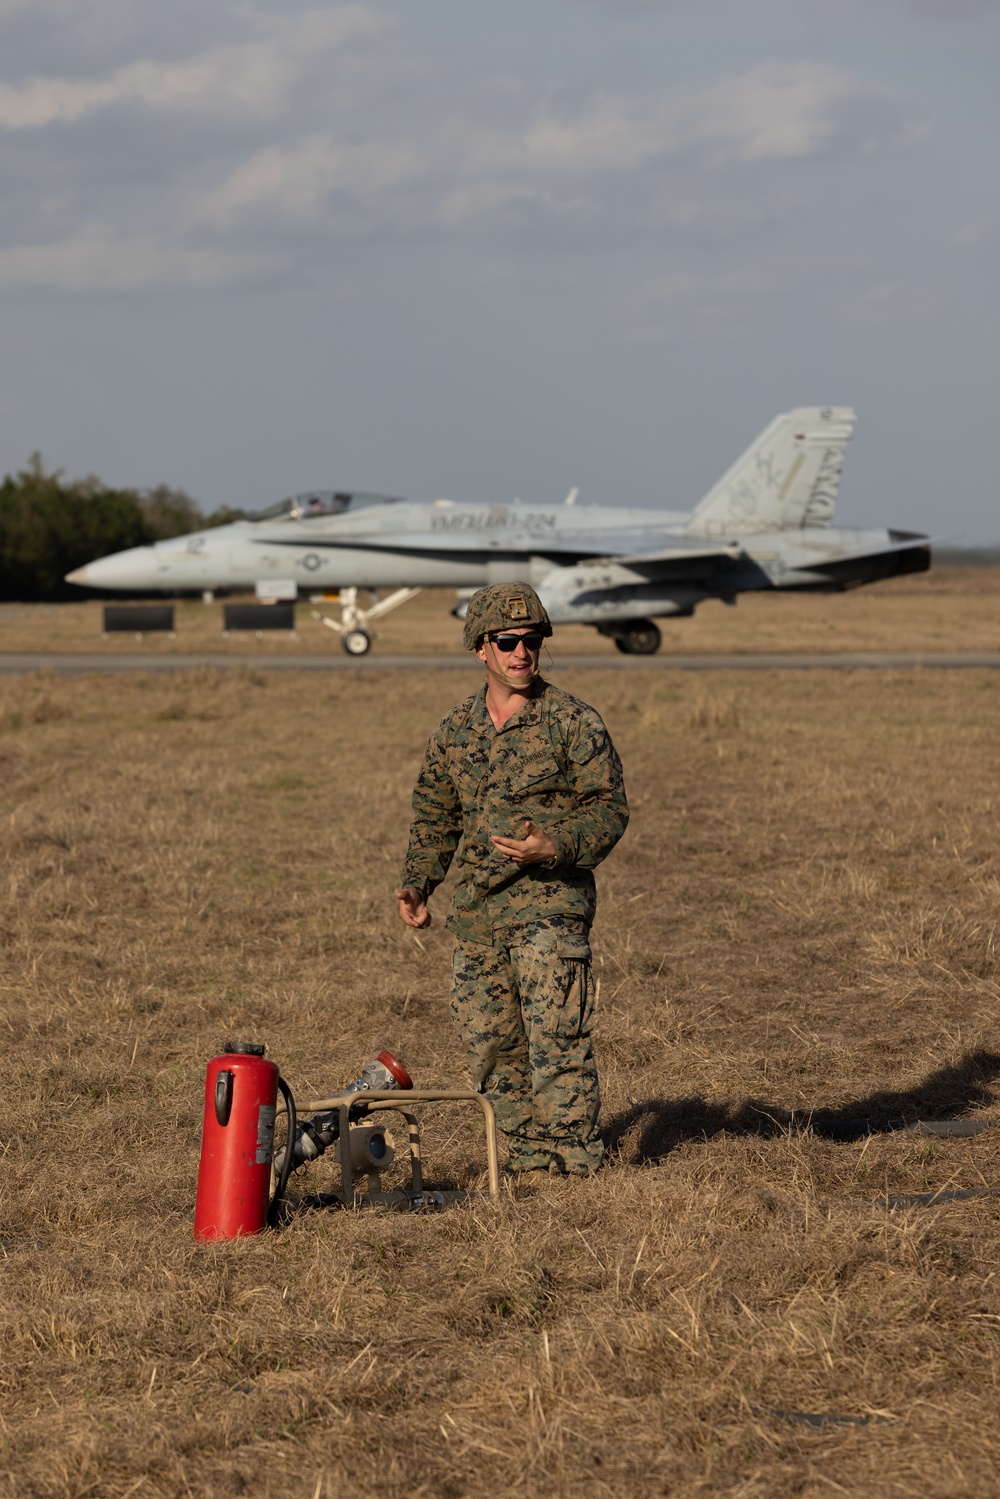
{"points": [[352, 627]]}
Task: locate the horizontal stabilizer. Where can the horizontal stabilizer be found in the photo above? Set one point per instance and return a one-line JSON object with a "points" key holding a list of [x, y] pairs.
{"points": [[897, 541], [904, 552]]}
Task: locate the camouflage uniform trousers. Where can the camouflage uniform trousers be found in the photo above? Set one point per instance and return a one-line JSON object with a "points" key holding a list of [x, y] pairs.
{"points": [[523, 1009]]}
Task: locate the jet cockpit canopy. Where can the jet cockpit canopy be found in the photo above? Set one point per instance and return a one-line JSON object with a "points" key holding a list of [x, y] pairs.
{"points": [[322, 502]]}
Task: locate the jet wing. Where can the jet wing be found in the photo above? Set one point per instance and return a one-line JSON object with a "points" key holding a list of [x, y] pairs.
{"points": [[678, 552], [635, 544]]}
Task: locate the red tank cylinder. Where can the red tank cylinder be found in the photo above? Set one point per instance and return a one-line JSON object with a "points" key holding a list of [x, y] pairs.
{"points": [[237, 1144]]}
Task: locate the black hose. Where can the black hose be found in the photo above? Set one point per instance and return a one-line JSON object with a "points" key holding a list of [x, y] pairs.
{"points": [[274, 1208]]}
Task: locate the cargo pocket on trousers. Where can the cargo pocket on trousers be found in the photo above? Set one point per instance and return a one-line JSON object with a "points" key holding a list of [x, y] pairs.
{"points": [[574, 954]]}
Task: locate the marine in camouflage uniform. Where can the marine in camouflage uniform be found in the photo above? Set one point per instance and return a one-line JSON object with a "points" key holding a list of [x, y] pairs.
{"points": [[522, 991]]}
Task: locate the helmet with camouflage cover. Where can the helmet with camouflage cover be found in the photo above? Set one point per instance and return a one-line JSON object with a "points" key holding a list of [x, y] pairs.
{"points": [[503, 606]]}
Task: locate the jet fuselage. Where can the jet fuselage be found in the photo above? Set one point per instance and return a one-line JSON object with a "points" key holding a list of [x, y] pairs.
{"points": [[477, 544]]}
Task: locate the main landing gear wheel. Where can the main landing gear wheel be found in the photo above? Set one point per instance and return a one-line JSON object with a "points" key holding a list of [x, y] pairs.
{"points": [[640, 638], [356, 642]]}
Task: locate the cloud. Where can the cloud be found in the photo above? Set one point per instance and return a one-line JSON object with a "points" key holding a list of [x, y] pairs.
{"points": [[297, 183], [974, 234], [258, 76], [97, 258], [287, 130], [459, 170], [772, 112]]}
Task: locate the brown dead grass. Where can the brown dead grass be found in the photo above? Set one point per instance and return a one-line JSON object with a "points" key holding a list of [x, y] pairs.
{"points": [[948, 609], [802, 918]]}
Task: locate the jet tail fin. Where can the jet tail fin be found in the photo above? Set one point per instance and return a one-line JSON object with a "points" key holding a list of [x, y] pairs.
{"points": [[787, 479]]}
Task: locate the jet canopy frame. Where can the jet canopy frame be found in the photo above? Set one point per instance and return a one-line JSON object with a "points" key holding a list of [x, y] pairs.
{"points": [[312, 502]]}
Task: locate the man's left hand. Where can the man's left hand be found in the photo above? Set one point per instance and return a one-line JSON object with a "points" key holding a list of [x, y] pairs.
{"points": [[536, 848]]}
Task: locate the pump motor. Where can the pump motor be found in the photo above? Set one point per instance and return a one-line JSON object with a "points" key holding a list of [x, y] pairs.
{"points": [[317, 1133]]}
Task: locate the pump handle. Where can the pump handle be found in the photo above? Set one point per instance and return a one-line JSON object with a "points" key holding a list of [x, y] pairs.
{"points": [[223, 1096]]}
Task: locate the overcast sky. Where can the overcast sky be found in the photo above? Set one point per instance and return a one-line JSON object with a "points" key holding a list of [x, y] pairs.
{"points": [[487, 248]]}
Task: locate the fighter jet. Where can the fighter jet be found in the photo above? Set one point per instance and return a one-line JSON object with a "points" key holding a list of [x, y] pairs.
{"points": [[766, 524]]}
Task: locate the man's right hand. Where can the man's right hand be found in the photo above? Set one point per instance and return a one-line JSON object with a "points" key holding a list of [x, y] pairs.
{"points": [[412, 908]]}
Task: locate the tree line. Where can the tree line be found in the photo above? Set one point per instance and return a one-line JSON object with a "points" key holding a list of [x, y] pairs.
{"points": [[50, 525]]}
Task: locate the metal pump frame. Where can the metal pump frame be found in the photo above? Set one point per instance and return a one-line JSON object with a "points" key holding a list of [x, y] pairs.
{"points": [[414, 1197]]}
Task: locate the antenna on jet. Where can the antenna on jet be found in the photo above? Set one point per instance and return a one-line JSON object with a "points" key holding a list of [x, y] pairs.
{"points": [[571, 497]]}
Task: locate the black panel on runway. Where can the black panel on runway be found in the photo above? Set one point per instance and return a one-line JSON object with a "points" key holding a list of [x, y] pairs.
{"points": [[138, 619], [258, 617]]}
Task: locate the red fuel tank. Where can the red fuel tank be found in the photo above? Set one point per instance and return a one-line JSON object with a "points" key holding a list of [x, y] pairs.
{"points": [[237, 1144]]}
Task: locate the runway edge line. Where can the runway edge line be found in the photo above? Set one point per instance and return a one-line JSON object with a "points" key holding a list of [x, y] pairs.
{"points": [[66, 663]]}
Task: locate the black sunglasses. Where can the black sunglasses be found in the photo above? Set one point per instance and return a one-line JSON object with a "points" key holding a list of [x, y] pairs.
{"points": [[532, 641]]}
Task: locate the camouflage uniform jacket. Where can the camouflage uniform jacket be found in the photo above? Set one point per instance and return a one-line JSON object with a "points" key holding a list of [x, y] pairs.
{"points": [[552, 762]]}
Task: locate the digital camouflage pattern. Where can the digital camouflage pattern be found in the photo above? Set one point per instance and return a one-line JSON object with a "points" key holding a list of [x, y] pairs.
{"points": [[553, 763], [523, 1010], [502, 606], [522, 989]]}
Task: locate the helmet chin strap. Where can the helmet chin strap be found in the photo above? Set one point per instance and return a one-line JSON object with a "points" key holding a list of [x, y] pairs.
{"points": [[501, 676]]}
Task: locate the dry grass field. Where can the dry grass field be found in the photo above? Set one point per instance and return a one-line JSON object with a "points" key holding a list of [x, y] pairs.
{"points": [[947, 609], [797, 950]]}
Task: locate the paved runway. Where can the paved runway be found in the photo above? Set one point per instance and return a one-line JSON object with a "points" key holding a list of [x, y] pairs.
{"points": [[13, 664]]}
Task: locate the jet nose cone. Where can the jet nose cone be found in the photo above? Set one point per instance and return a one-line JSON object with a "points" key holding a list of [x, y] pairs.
{"points": [[128, 571]]}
